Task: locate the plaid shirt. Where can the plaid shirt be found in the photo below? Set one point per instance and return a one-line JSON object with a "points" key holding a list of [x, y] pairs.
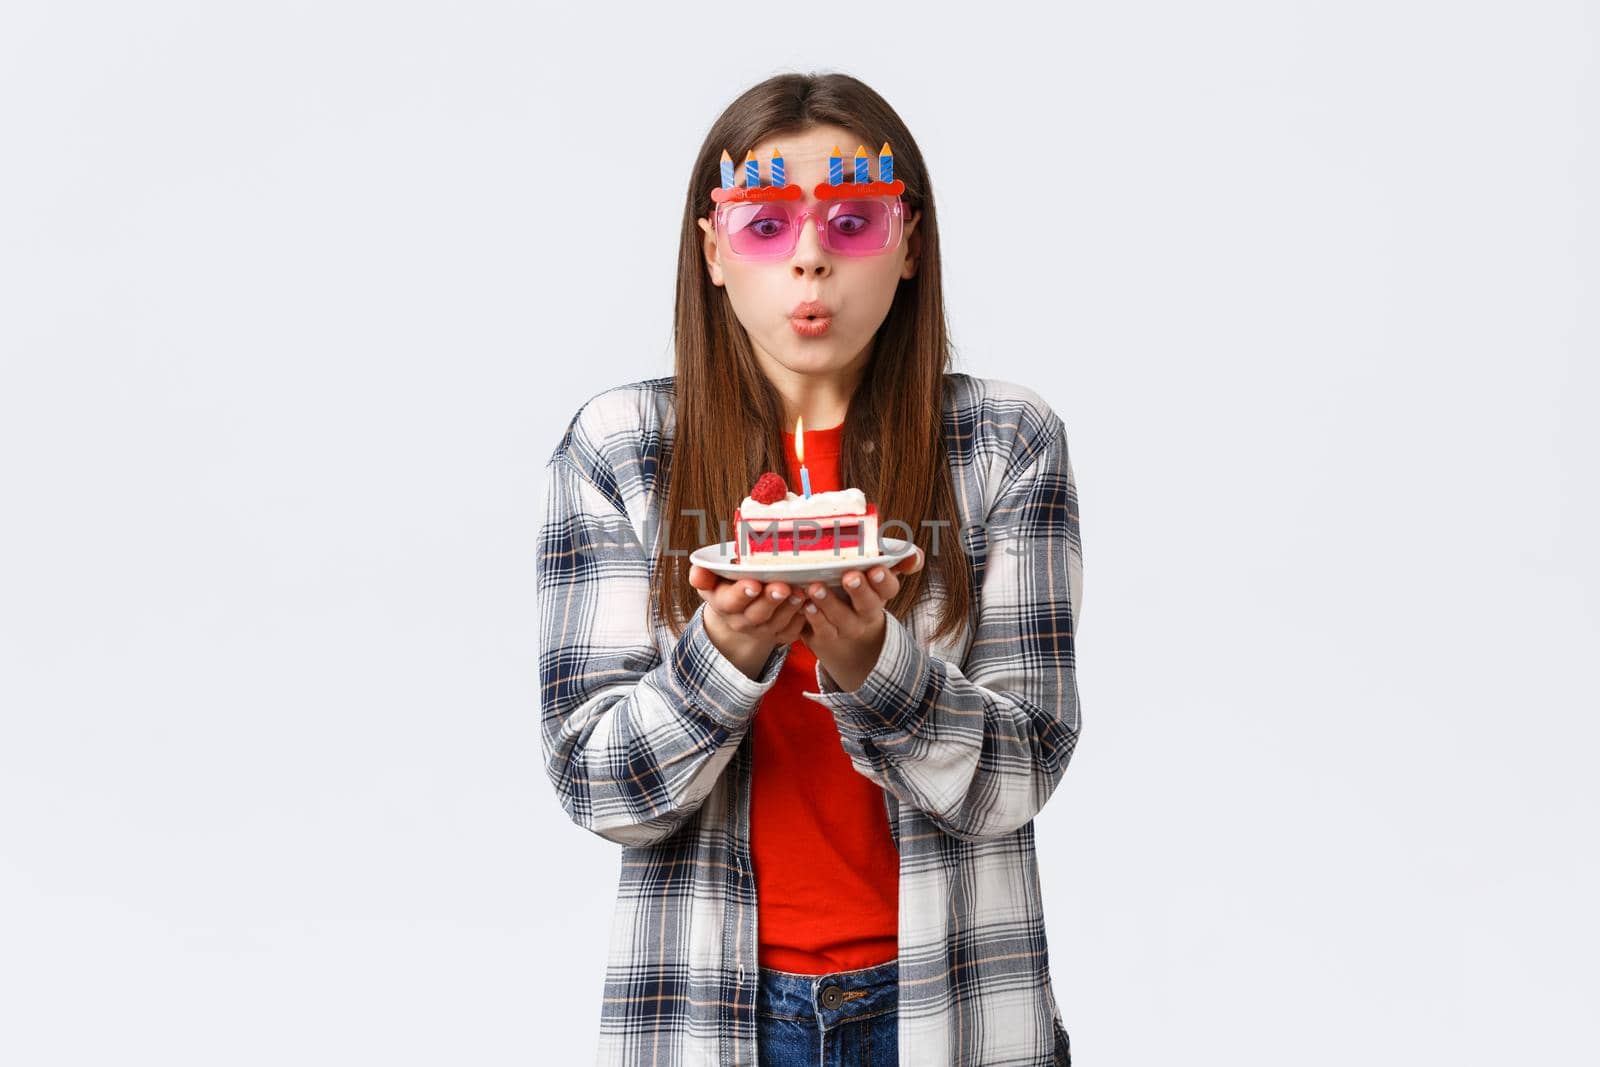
{"points": [[646, 739]]}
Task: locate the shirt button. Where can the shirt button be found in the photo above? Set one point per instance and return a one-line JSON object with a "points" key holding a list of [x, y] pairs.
{"points": [[832, 997]]}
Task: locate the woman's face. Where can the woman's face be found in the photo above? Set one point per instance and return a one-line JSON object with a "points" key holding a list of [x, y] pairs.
{"points": [[857, 290]]}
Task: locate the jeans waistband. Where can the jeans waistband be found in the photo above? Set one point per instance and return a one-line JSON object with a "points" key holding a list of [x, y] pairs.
{"points": [[829, 999]]}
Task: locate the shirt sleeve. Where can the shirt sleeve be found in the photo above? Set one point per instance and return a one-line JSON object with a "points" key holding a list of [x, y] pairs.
{"points": [[632, 740], [981, 746]]}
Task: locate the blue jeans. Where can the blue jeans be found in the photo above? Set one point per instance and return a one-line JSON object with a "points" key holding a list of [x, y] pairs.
{"points": [[843, 1019]]}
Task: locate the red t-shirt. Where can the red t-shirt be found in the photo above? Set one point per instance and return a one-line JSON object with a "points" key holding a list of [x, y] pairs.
{"points": [[827, 870]]}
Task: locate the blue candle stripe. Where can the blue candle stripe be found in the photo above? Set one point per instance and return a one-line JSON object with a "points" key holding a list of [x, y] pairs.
{"points": [[835, 168], [752, 172], [861, 169], [777, 171], [727, 171], [886, 167]]}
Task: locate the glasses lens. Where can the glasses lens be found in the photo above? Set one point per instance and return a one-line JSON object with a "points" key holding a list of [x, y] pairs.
{"points": [[858, 227], [851, 227], [760, 230]]}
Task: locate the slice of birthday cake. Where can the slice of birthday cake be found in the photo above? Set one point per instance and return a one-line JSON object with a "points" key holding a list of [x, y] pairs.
{"points": [[774, 525]]}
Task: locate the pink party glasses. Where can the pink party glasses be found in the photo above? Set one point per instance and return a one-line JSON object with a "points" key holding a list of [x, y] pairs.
{"points": [[846, 226]]}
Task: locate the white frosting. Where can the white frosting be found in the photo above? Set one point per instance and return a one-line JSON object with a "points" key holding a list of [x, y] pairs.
{"points": [[797, 506]]}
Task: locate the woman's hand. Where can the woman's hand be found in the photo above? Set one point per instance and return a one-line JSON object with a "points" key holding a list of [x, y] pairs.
{"points": [[846, 632], [746, 620]]}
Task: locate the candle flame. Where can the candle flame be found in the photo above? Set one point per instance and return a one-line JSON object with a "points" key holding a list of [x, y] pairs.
{"points": [[800, 439]]}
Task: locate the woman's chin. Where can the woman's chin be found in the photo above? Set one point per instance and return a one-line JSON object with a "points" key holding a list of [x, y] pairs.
{"points": [[814, 356]]}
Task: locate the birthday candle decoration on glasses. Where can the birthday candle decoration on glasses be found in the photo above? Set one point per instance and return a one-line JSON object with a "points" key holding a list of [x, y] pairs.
{"points": [[805, 475], [752, 191], [836, 187]]}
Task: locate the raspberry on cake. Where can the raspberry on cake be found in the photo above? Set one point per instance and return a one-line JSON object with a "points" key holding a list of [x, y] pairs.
{"points": [[774, 525]]}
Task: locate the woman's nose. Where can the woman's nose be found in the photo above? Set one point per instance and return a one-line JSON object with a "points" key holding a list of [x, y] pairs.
{"points": [[809, 255]]}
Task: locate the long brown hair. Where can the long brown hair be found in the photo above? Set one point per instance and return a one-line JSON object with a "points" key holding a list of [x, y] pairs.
{"points": [[730, 417]]}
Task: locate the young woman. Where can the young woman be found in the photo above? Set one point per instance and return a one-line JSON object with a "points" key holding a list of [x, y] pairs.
{"points": [[824, 798]]}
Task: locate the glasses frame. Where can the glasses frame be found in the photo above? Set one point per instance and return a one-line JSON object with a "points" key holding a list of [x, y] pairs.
{"points": [[897, 215]]}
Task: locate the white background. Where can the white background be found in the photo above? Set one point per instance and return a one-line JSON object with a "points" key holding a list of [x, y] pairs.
{"points": [[294, 303]]}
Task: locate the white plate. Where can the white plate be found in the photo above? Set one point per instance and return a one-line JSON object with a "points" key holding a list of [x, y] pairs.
{"points": [[716, 558]]}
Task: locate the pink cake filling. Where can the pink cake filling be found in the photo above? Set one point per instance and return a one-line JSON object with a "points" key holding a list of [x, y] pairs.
{"points": [[811, 536], [806, 538]]}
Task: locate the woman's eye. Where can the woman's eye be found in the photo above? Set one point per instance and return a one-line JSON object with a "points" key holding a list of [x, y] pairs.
{"points": [[849, 224], [767, 227]]}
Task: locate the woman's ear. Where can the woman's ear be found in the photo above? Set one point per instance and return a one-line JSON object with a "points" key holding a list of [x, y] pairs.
{"points": [[713, 264], [913, 239]]}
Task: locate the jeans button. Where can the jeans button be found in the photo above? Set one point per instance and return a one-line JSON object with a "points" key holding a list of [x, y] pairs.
{"points": [[832, 997]]}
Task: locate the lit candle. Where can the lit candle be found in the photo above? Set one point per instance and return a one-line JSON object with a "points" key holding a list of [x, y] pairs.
{"points": [[885, 163], [752, 170], [800, 454], [835, 167], [862, 176], [727, 170], [777, 170]]}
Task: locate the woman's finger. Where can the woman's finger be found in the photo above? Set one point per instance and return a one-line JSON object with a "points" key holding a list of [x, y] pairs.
{"points": [[789, 621], [733, 598], [817, 618], [911, 564], [884, 582], [832, 605], [862, 593], [760, 609], [797, 624], [782, 620]]}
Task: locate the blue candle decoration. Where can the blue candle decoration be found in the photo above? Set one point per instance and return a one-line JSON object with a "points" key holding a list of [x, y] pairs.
{"points": [[727, 170], [800, 454], [885, 163], [862, 176], [835, 167], [752, 170], [777, 170]]}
